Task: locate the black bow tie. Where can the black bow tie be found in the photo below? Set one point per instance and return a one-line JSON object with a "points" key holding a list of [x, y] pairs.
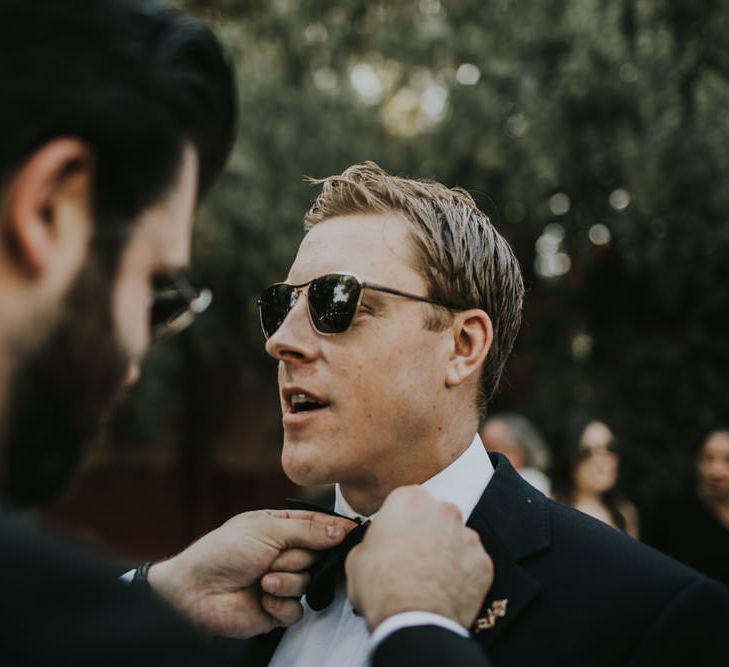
{"points": [[330, 567]]}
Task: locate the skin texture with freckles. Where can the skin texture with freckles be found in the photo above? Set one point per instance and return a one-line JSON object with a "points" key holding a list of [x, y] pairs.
{"points": [[385, 380]]}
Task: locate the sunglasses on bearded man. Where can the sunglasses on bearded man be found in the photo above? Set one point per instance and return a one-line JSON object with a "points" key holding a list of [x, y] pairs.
{"points": [[333, 302], [176, 304]]}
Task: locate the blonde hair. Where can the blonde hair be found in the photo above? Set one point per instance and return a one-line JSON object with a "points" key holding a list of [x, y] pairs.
{"points": [[464, 260]]}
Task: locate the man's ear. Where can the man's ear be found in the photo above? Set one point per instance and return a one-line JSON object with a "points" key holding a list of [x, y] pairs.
{"points": [[473, 334], [46, 204]]}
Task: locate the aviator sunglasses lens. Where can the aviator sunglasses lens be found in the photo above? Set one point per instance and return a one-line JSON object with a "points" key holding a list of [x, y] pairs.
{"points": [[175, 304], [333, 301], [166, 309], [274, 305]]}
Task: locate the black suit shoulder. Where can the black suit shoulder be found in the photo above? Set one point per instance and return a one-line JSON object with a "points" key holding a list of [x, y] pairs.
{"points": [[61, 607], [582, 546], [583, 593], [667, 612]]}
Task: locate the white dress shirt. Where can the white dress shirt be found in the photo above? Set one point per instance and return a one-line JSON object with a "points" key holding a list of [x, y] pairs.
{"points": [[336, 636]]}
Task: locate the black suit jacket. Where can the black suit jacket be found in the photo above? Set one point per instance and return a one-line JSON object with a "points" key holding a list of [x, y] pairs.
{"points": [[59, 607], [583, 593], [579, 593]]}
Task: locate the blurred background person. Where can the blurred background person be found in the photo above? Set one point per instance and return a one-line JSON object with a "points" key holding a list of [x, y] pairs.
{"points": [[515, 437], [694, 527], [585, 474]]}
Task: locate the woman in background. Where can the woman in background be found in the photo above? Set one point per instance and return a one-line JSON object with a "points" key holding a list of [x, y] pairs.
{"points": [[585, 474], [694, 527]]}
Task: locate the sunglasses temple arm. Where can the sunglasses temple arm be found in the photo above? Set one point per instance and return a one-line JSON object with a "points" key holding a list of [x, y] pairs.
{"points": [[407, 295]]}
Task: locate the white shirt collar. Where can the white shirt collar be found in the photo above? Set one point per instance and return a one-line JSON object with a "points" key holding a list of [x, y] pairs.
{"points": [[460, 483], [337, 636]]}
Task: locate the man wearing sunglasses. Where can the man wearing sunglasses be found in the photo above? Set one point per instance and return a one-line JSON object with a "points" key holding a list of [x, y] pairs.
{"points": [[116, 116], [391, 332]]}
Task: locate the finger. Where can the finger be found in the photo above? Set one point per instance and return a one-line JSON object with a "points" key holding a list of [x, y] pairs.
{"points": [[407, 499], [294, 560], [310, 515], [285, 584], [317, 531], [451, 510], [283, 612], [472, 537]]}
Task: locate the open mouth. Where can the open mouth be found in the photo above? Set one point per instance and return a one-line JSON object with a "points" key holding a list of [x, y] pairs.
{"points": [[304, 403]]}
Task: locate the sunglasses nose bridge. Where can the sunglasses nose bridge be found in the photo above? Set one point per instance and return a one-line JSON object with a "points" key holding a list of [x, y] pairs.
{"points": [[295, 340], [295, 299], [298, 292]]}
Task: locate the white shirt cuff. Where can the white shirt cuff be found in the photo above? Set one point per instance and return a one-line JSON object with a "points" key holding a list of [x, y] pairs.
{"points": [[127, 577], [408, 619]]}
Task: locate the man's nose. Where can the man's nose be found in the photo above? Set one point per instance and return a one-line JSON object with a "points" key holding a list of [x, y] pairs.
{"points": [[295, 339]]}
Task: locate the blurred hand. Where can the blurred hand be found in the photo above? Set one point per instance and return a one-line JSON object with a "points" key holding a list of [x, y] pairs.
{"points": [[246, 577], [418, 556]]}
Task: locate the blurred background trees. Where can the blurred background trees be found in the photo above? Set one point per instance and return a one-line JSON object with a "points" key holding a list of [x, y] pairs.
{"points": [[595, 134]]}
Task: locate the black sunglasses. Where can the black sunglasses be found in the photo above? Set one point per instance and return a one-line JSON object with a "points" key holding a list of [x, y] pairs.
{"points": [[586, 453], [333, 300], [176, 304]]}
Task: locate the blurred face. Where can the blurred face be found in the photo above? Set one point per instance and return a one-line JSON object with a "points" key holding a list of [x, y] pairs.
{"points": [[63, 389], [374, 391], [497, 438], [713, 466], [159, 247], [597, 469]]}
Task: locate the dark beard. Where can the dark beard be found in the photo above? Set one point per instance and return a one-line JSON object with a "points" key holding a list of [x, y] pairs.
{"points": [[60, 394]]}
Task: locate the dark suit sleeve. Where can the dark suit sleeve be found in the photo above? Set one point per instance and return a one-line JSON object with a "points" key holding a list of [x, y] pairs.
{"points": [[60, 607], [428, 646], [691, 631]]}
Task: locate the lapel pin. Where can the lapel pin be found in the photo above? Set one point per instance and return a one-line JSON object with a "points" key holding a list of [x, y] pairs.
{"points": [[493, 613]]}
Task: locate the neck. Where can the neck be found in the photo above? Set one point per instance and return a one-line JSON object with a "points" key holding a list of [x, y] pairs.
{"points": [[366, 497], [587, 498]]}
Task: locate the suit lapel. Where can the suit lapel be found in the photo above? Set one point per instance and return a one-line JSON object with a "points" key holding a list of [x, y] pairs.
{"points": [[513, 521]]}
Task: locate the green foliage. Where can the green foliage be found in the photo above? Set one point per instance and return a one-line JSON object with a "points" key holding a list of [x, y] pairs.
{"points": [[619, 105]]}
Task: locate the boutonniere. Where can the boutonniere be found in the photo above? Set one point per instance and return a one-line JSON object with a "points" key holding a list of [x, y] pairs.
{"points": [[496, 611]]}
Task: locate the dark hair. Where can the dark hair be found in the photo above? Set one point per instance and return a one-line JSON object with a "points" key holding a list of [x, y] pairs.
{"points": [[719, 429], [136, 80], [565, 461]]}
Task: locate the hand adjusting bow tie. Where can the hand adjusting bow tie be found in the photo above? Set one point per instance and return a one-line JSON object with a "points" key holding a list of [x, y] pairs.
{"points": [[330, 567]]}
